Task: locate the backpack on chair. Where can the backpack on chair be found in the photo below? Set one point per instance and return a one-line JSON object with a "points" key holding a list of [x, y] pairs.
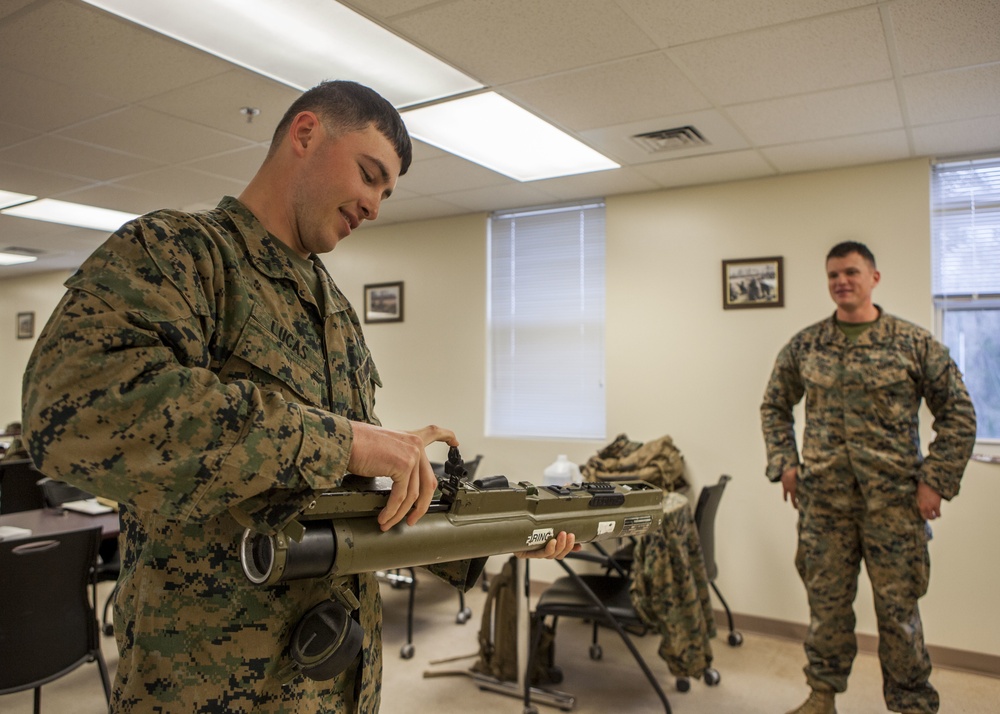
{"points": [[498, 635]]}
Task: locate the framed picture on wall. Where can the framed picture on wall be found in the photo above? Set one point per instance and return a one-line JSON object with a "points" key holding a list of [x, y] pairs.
{"points": [[384, 302], [752, 282], [25, 325]]}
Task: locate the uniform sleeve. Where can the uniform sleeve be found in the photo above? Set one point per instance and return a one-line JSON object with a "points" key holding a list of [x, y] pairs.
{"points": [[119, 397], [784, 390], [954, 422]]}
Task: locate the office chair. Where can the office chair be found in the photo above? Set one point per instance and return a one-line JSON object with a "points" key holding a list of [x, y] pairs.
{"points": [[19, 489], [55, 494], [704, 518], [598, 598], [48, 622], [407, 577]]}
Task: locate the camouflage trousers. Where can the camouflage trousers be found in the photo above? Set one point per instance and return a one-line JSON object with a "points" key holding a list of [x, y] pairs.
{"points": [[893, 543]]}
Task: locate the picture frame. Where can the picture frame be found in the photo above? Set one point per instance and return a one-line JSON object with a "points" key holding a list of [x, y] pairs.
{"points": [[753, 282], [25, 325], [384, 302]]}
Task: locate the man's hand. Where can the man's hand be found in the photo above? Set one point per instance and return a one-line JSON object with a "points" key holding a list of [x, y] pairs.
{"points": [[789, 485], [400, 455], [557, 548], [928, 501]]}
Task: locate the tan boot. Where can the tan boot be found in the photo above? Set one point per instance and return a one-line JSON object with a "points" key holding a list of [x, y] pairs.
{"points": [[817, 703]]}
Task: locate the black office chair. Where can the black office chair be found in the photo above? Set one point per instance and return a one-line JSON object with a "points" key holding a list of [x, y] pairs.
{"points": [[55, 494], [407, 577], [48, 622], [19, 489], [603, 599], [704, 518]]}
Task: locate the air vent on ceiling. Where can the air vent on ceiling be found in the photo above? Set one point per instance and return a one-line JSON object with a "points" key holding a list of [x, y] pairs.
{"points": [[22, 251], [681, 137]]}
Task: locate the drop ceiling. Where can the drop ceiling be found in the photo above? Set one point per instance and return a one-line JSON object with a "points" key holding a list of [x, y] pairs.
{"points": [[96, 110]]}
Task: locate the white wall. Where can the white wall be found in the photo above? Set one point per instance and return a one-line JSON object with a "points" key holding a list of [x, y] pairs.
{"points": [[677, 363]]}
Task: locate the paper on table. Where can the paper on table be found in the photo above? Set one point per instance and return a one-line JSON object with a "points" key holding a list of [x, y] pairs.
{"points": [[13, 532], [90, 506]]}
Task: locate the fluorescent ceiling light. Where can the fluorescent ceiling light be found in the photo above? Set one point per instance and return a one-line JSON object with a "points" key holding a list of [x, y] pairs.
{"points": [[16, 258], [301, 43], [498, 134], [71, 214], [9, 198]]}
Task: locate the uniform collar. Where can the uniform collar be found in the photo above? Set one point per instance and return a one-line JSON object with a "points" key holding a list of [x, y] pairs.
{"points": [[879, 333]]}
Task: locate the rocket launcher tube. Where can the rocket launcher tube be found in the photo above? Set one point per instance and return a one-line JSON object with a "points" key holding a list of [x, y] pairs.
{"points": [[342, 534]]}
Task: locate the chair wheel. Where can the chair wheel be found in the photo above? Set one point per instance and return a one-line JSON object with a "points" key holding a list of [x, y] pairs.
{"points": [[712, 677], [406, 651], [463, 616], [735, 639], [109, 630], [555, 675], [531, 710], [596, 652], [683, 684]]}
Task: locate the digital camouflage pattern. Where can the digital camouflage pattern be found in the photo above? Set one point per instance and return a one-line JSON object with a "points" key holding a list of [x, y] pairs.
{"points": [[670, 590], [857, 481], [190, 374]]}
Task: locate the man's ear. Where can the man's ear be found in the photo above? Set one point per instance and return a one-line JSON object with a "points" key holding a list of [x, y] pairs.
{"points": [[876, 276], [303, 131]]}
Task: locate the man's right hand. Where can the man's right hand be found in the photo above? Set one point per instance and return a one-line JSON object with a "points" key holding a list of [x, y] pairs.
{"points": [[400, 455], [789, 482]]}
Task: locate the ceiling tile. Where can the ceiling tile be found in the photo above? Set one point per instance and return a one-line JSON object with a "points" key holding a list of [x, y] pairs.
{"points": [[956, 94], [844, 151], [449, 173], [675, 23], [417, 209], [239, 165], [217, 102], [41, 105], [26, 179], [614, 93], [513, 195], [509, 40], [180, 187], [821, 53], [597, 184], [65, 156], [839, 112], [10, 134], [973, 136], [75, 44], [715, 168], [161, 138], [933, 35]]}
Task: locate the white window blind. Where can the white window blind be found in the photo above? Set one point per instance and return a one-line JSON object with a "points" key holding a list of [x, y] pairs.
{"points": [[546, 323], [965, 252]]}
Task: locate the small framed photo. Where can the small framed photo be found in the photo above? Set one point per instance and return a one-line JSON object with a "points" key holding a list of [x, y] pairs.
{"points": [[752, 282], [25, 325], [384, 302]]}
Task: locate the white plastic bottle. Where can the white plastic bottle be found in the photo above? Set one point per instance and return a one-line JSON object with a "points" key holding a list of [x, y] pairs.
{"points": [[562, 472]]}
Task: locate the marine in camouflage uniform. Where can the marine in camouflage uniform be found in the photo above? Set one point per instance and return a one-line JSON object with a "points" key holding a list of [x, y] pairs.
{"points": [[206, 376], [857, 487], [228, 372]]}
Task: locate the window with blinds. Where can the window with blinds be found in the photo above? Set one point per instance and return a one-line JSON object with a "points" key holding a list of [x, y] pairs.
{"points": [[546, 323], [965, 258]]}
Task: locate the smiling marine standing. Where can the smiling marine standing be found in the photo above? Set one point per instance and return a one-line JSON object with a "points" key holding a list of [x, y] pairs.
{"points": [[863, 489]]}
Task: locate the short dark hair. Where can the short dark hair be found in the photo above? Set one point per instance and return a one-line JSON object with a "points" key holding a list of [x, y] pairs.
{"points": [[844, 249], [348, 106]]}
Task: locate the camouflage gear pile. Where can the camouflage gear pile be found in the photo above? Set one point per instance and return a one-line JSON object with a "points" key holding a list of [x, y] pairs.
{"points": [[191, 375], [670, 590], [861, 462], [658, 462]]}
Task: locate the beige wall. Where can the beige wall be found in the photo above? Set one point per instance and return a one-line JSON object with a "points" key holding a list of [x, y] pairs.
{"points": [[677, 363]]}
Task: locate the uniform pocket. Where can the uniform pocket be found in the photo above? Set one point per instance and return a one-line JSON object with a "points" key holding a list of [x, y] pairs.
{"points": [[892, 393]]}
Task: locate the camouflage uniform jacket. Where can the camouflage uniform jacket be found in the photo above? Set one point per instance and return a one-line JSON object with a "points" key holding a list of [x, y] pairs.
{"points": [[862, 398], [190, 375]]}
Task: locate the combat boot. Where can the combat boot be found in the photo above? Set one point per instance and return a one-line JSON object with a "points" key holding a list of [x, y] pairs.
{"points": [[817, 703]]}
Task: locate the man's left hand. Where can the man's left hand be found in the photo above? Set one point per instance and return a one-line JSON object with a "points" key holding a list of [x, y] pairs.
{"points": [[928, 501], [557, 548]]}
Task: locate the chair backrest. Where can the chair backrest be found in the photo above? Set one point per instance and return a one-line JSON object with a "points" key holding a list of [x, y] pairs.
{"points": [[19, 489], [704, 518], [48, 625]]}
